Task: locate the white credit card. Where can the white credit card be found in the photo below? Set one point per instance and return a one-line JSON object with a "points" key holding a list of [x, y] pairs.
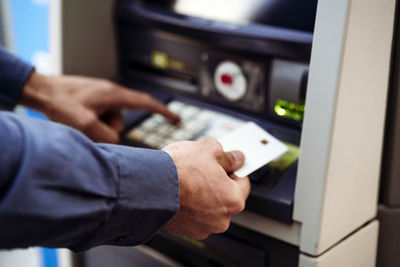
{"points": [[258, 146]]}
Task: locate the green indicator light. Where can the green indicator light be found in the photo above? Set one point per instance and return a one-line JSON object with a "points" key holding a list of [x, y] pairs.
{"points": [[289, 110], [296, 117], [280, 111], [159, 59]]}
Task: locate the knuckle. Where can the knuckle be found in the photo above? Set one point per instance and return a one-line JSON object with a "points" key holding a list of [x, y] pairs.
{"points": [[239, 206], [223, 227], [87, 121], [210, 141], [108, 86], [147, 97], [214, 145], [114, 139], [200, 236]]}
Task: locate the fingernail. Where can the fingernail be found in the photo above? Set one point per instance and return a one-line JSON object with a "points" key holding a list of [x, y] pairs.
{"points": [[238, 155], [176, 119]]}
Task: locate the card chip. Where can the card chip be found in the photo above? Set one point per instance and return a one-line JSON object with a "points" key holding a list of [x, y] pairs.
{"points": [[264, 142]]}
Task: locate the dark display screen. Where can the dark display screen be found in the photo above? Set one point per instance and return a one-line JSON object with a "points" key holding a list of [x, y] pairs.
{"points": [[289, 14]]}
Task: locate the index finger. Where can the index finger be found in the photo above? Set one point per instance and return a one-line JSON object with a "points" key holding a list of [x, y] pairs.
{"points": [[128, 98], [244, 184]]}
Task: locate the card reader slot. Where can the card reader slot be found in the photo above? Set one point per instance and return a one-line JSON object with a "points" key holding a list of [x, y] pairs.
{"points": [[157, 72], [260, 174], [169, 80]]}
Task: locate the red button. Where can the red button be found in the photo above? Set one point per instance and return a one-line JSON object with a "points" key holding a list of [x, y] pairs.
{"points": [[227, 79]]}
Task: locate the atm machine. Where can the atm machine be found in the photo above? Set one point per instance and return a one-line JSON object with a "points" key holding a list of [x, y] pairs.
{"points": [[389, 199], [312, 73]]}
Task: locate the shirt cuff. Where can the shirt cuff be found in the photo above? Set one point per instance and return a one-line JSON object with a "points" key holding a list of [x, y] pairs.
{"points": [[148, 195], [13, 75]]}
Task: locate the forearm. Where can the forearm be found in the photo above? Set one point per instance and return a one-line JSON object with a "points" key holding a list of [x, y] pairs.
{"points": [[58, 189]]}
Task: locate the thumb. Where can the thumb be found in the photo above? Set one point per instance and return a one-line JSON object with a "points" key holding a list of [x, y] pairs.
{"points": [[101, 132], [231, 161]]}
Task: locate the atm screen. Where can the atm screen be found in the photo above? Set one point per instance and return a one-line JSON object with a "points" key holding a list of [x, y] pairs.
{"points": [[290, 14]]}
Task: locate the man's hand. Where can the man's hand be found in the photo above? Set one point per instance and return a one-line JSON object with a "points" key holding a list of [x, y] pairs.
{"points": [[209, 193], [90, 105]]}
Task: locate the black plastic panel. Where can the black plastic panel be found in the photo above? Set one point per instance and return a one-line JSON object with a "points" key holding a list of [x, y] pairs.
{"points": [[239, 247]]}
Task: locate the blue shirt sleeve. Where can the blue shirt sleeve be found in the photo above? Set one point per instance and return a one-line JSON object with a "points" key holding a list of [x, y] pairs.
{"points": [[13, 75], [59, 189]]}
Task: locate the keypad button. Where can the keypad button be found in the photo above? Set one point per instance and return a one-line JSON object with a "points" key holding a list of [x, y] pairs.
{"points": [[197, 123]]}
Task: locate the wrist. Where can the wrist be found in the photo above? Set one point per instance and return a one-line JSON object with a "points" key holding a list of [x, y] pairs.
{"points": [[37, 92]]}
